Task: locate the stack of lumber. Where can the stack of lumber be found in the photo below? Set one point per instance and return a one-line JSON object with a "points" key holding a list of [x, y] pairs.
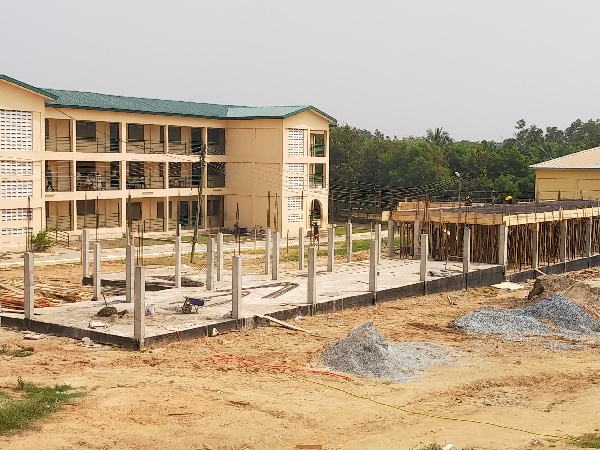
{"points": [[12, 294]]}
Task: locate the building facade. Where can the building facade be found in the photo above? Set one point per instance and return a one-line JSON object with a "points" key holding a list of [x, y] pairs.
{"points": [[73, 160]]}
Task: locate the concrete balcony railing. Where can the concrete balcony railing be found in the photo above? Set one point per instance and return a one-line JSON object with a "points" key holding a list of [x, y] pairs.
{"points": [[110, 220], [187, 223], [58, 144], [60, 223], [145, 147], [98, 145], [316, 181], [184, 182], [98, 182], [145, 182], [58, 183], [148, 225]]}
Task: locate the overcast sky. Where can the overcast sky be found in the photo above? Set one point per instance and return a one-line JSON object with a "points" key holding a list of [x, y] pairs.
{"points": [[472, 67]]}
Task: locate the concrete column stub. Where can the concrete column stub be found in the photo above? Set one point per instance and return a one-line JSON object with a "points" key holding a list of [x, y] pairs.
{"points": [[373, 267], [348, 242], [28, 284], [466, 250], [236, 287], [390, 238], [301, 248], [139, 306], [378, 241], [424, 254], [311, 297], [129, 272], [210, 264], [97, 272], [275, 262], [85, 252], [330, 248], [178, 261], [219, 256], [268, 251]]}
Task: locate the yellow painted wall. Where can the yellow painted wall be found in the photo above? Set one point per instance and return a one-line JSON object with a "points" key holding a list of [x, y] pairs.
{"points": [[567, 184]]}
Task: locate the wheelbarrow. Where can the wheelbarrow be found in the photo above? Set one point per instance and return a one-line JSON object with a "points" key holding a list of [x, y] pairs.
{"points": [[190, 303]]}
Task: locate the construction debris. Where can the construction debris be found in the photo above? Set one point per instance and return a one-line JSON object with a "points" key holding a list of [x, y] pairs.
{"points": [[45, 295]]}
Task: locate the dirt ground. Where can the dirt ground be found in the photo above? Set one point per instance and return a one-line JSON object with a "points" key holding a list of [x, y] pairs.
{"points": [[178, 397]]}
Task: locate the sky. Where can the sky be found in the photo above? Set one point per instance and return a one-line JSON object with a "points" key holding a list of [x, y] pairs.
{"points": [[472, 67]]}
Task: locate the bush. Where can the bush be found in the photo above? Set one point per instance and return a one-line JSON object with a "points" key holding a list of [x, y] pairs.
{"points": [[42, 241]]}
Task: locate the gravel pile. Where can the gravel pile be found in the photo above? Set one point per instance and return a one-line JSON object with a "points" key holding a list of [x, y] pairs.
{"points": [[365, 352], [557, 315]]}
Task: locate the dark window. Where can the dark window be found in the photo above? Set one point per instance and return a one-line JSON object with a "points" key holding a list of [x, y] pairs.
{"points": [[136, 169], [135, 132], [161, 133], [213, 207], [134, 211], [86, 130], [47, 123], [114, 137], [86, 207], [174, 134], [175, 170], [160, 210], [216, 135], [170, 209]]}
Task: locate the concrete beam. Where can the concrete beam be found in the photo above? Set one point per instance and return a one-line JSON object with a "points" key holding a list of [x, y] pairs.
{"points": [[210, 264], [348, 242], [97, 272], [311, 291], [424, 255], [275, 262], [219, 256], [268, 251], [301, 248], [330, 248], [236, 287], [130, 272], [391, 226], [139, 306], [28, 284]]}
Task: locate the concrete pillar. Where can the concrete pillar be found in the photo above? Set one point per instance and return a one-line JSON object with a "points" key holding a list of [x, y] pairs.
{"points": [[466, 249], [236, 287], [534, 246], [391, 225], [330, 248], [416, 234], [301, 248], [219, 256], [178, 261], [503, 245], [562, 241], [275, 262], [28, 284], [453, 239], [373, 267], [268, 251], [588, 238], [85, 252], [311, 292], [97, 272], [378, 241], [210, 264], [129, 272], [139, 306], [348, 242], [424, 255]]}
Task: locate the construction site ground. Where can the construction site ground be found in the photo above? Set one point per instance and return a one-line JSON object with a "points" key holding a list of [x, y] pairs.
{"points": [[186, 396]]}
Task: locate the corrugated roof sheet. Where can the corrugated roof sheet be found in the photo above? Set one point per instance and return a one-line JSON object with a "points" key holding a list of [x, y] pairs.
{"points": [[26, 86], [586, 159]]}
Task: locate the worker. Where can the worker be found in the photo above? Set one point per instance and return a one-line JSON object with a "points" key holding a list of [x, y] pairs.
{"points": [[509, 200]]}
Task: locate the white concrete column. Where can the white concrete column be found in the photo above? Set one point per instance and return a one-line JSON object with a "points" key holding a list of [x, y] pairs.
{"points": [[416, 234], [129, 272], [466, 249], [503, 245], [210, 264], [562, 241], [373, 267], [236, 287], [311, 296], [378, 241], [219, 256], [301, 248], [348, 242], [275, 273], [97, 272], [178, 261], [139, 305], [267, 251], [588, 238], [424, 255], [330, 248], [28, 284], [391, 225], [85, 251], [534, 246]]}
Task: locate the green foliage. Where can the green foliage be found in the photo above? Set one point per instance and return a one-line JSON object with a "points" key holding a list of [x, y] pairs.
{"points": [[42, 241], [365, 157], [589, 441], [16, 413], [16, 353]]}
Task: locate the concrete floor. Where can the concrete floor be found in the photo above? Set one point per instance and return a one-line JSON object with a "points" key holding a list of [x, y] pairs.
{"points": [[347, 280]]}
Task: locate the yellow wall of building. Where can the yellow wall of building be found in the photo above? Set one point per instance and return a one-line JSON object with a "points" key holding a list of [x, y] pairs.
{"points": [[567, 184]]}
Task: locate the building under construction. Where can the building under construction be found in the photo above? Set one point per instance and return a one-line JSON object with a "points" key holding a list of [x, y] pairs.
{"points": [[518, 236]]}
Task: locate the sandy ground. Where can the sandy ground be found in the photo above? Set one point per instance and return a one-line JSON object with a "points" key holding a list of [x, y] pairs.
{"points": [[178, 397]]}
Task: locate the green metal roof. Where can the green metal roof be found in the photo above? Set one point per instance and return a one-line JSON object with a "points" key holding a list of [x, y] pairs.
{"points": [[105, 102], [26, 86]]}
